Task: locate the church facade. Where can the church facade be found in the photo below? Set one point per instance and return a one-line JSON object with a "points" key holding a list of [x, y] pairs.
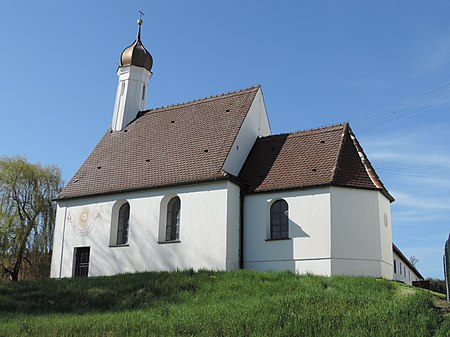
{"points": [[205, 185]]}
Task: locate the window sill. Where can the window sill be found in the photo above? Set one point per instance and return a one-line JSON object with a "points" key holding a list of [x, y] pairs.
{"points": [[172, 241], [280, 239], [115, 246]]}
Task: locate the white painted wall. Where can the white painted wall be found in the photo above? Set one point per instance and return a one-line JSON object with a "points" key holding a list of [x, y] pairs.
{"points": [[384, 208], [359, 238], [203, 226], [130, 96], [332, 231], [256, 124], [402, 272], [233, 226], [308, 248]]}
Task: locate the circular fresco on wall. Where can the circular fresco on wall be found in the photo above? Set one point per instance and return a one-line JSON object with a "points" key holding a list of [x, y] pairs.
{"points": [[83, 221]]}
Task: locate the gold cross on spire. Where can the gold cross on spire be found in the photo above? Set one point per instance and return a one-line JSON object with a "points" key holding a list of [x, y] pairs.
{"points": [[141, 13]]}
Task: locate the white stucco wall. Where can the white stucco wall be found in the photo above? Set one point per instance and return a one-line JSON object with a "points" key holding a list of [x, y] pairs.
{"points": [[360, 242], [233, 226], [203, 226], [130, 98], [256, 124], [308, 248], [402, 272], [384, 209], [332, 231]]}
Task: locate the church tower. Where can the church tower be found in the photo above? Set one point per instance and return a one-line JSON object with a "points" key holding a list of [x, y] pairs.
{"points": [[134, 71]]}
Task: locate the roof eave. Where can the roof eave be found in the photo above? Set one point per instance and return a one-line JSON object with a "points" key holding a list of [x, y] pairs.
{"points": [[201, 181], [329, 184], [405, 260], [286, 188]]}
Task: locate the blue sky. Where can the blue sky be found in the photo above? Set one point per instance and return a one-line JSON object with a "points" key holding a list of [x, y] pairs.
{"points": [[384, 66]]}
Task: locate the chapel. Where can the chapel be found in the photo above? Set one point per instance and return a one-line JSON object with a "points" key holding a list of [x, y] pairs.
{"points": [[206, 185]]}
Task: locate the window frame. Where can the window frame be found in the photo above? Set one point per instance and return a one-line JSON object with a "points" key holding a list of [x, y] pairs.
{"points": [[144, 88], [123, 224], [173, 219], [114, 239], [278, 218], [170, 219]]}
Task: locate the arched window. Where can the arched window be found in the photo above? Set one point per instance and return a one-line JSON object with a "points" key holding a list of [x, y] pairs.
{"points": [[279, 220], [122, 224], [173, 219]]}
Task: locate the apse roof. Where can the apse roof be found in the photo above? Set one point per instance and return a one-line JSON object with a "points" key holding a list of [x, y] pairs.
{"points": [[318, 157]]}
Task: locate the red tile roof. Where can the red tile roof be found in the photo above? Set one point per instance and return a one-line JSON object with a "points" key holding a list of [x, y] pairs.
{"points": [[173, 145], [319, 157], [189, 142]]}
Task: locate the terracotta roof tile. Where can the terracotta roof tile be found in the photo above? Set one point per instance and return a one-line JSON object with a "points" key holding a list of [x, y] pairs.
{"points": [[189, 142], [318, 157], [178, 144], [292, 160]]}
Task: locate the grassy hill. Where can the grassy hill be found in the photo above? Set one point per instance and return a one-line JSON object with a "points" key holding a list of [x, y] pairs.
{"points": [[241, 303]]}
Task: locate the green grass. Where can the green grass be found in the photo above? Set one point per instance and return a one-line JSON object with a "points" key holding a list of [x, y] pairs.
{"points": [[241, 303]]}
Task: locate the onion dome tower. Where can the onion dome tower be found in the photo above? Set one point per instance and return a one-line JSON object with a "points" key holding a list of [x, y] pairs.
{"points": [[134, 71]]}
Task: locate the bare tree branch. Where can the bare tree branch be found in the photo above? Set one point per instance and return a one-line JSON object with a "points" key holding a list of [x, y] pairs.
{"points": [[27, 212]]}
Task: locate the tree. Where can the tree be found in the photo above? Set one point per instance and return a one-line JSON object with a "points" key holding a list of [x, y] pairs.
{"points": [[27, 212], [413, 260]]}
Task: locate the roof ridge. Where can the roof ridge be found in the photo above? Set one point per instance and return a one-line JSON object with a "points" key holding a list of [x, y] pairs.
{"points": [[370, 170], [300, 132], [341, 150], [201, 100]]}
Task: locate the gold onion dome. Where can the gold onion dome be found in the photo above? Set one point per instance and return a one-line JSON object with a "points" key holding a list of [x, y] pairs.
{"points": [[136, 54]]}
